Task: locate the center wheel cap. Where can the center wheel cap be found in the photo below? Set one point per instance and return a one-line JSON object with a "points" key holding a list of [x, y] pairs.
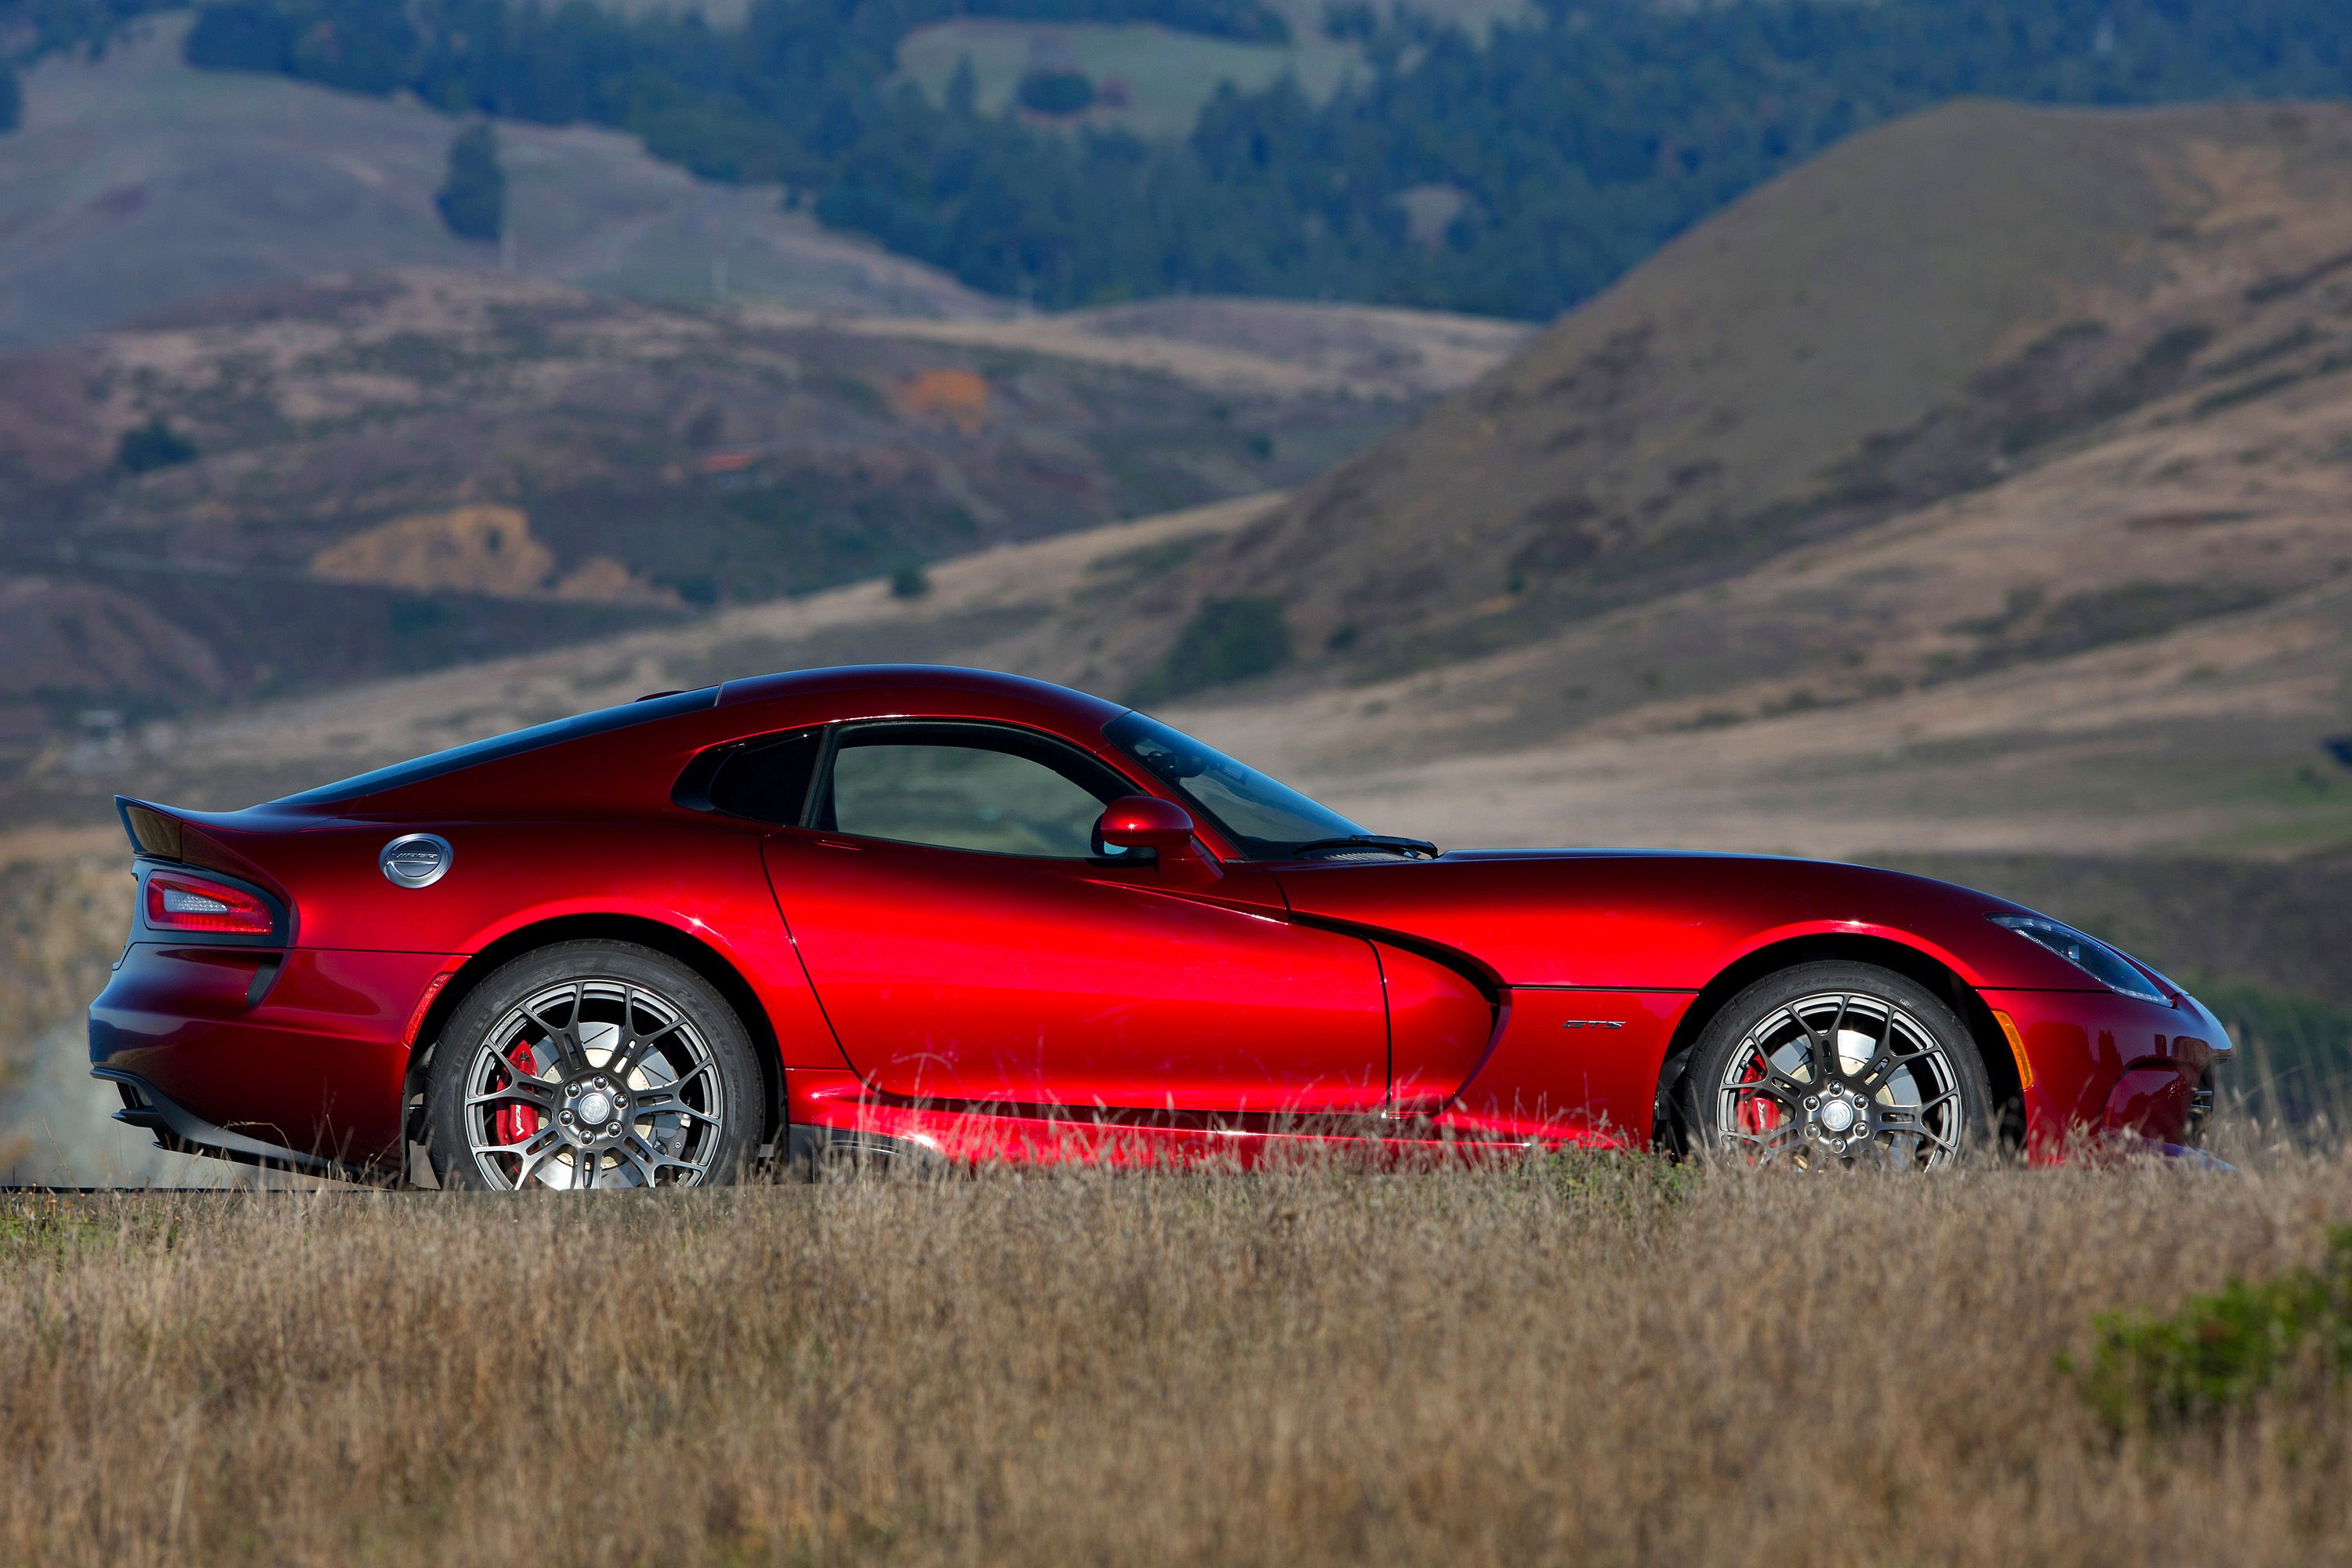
{"points": [[596, 1107], [1837, 1115]]}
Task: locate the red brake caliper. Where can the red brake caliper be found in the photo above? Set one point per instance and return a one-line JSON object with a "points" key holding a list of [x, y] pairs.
{"points": [[519, 1123], [1759, 1112]]}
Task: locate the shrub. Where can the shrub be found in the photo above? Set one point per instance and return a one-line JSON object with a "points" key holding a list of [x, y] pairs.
{"points": [[1225, 640], [473, 196], [1055, 93], [152, 445], [909, 581], [2219, 1351]]}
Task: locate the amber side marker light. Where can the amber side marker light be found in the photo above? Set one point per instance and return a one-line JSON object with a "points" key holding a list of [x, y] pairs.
{"points": [[2016, 1047], [177, 901], [423, 1005]]}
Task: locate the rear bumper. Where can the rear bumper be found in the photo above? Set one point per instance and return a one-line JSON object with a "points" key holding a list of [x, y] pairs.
{"points": [[288, 1056], [2106, 1069], [183, 1132]]}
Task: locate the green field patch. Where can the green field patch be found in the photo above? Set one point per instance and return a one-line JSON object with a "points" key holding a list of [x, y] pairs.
{"points": [[1146, 78]]}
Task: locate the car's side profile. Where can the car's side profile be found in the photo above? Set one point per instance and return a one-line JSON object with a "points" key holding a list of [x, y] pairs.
{"points": [[985, 917]]}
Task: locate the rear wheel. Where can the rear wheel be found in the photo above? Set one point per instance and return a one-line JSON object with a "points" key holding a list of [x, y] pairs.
{"points": [[1829, 1066], [591, 1064]]}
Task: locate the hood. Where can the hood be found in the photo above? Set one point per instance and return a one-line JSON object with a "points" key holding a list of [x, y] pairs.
{"points": [[1658, 921]]}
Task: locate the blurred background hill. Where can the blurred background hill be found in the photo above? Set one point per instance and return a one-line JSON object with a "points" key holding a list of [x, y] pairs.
{"points": [[1918, 430]]}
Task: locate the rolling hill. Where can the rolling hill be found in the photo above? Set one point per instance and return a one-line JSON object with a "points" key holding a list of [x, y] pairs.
{"points": [[1942, 306], [137, 184], [326, 480], [2051, 460]]}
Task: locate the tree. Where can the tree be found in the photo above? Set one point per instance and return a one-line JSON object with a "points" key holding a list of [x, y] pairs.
{"points": [[12, 99], [1225, 640], [154, 445], [473, 198], [1055, 93]]}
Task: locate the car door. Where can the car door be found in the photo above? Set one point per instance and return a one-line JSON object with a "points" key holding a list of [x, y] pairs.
{"points": [[970, 942]]}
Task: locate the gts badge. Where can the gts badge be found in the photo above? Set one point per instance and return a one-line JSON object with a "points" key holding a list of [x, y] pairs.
{"points": [[1591, 1023]]}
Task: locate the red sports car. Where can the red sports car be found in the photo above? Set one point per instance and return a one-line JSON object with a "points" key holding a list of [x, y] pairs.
{"points": [[984, 917]]}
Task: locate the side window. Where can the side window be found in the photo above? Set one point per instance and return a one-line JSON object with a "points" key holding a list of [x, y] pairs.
{"points": [[767, 781], [965, 787]]}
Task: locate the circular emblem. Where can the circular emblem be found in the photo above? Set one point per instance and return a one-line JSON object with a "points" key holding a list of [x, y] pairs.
{"points": [[415, 859]]}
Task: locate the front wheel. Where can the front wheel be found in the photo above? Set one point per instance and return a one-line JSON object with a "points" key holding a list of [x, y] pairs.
{"points": [[591, 1064], [1833, 1065]]}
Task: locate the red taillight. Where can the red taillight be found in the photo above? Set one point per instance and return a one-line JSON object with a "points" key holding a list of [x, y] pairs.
{"points": [[177, 901]]}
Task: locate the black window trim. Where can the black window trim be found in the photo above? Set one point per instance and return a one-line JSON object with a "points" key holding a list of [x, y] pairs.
{"points": [[692, 790]]}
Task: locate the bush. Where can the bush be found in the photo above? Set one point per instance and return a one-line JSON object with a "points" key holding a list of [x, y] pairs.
{"points": [[1055, 93], [1225, 640], [154, 445], [909, 581], [473, 197], [2219, 1351], [12, 99]]}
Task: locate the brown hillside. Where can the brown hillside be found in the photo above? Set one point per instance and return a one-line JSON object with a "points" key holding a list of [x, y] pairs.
{"points": [[391, 471], [1928, 308]]}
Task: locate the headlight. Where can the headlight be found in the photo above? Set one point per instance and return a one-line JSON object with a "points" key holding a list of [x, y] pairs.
{"points": [[2092, 956]]}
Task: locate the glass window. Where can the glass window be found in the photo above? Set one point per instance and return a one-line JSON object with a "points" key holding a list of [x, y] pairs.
{"points": [[1266, 819], [767, 781], [920, 785]]}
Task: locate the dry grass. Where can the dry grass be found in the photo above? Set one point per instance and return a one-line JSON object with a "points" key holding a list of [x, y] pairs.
{"points": [[1581, 1362], [62, 921]]}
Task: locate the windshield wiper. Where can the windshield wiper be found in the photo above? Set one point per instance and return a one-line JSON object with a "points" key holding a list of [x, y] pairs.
{"points": [[1369, 841]]}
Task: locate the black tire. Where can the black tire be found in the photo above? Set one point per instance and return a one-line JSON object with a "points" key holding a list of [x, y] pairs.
{"points": [[689, 1112], [1917, 1096]]}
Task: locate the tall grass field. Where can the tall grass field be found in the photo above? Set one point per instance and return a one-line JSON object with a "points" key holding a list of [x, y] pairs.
{"points": [[1585, 1360]]}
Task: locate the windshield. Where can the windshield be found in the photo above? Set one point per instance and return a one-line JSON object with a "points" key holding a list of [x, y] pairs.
{"points": [[1267, 821]]}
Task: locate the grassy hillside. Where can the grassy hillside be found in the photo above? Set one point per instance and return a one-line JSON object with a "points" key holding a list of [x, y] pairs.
{"points": [[1945, 305], [284, 490], [137, 184]]}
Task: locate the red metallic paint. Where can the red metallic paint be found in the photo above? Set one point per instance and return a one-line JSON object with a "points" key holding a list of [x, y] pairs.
{"points": [[1442, 1024], [2106, 1065], [973, 978], [1578, 1066], [314, 1065], [995, 1006]]}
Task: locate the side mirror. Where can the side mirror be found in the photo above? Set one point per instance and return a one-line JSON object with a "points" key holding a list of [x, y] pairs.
{"points": [[1146, 822]]}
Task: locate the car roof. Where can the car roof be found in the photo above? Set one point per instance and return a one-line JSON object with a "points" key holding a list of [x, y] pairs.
{"points": [[622, 760], [876, 690]]}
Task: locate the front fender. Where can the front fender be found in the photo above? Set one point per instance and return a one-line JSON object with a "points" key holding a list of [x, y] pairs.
{"points": [[1642, 922]]}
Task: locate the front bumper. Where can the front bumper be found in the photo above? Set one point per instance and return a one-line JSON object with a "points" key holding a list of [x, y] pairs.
{"points": [[2100, 1068]]}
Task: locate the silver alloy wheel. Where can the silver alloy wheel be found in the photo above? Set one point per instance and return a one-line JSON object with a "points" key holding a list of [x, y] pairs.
{"points": [[593, 1083], [1839, 1079]]}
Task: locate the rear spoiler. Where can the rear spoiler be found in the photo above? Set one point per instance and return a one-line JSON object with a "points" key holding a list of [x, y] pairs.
{"points": [[154, 831], [182, 838]]}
